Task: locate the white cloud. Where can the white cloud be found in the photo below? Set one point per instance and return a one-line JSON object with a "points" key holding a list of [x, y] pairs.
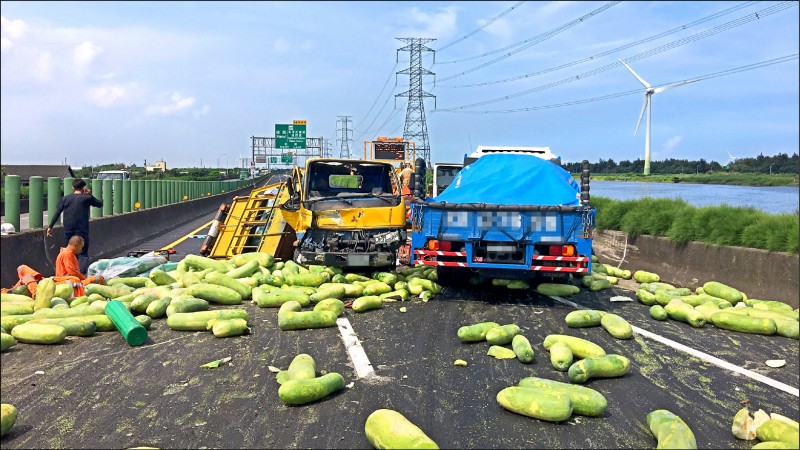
{"points": [[12, 29], [552, 8], [440, 24], [202, 111], [179, 103], [500, 29], [43, 70], [672, 143], [84, 54], [108, 95]]}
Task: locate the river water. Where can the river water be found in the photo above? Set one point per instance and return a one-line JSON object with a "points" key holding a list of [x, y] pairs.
{"points": [[770, 199]]}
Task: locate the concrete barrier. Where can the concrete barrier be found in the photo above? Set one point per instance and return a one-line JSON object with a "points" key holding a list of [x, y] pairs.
{"points": [[758, 273], [109, 236]]}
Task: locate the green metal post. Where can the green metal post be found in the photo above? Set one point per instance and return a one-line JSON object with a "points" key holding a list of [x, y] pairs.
{"points": [[127, 196], [68, 189], [97, 191], [53, 196], [148, 186], [158, 189], [140, 192], [35, 202], [13, 193], [135, 194], [108, 197], [153, 193], [117, 189]]}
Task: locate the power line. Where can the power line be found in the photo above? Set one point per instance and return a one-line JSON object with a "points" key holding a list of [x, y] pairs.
{"points": [[396, 129], [461, 39], [610, 52], [532, 41], [369, 127], [381, 92], [695, 37], [388, 118], [745, 68]]}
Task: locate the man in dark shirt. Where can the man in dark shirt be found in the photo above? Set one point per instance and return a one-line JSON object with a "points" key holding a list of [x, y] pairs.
{"points": [[75, 207]]}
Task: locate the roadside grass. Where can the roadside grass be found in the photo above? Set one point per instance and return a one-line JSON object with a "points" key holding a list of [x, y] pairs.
{"points": [[682, 223]]}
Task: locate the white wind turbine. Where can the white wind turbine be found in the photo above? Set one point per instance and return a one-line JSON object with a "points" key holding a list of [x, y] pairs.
{"points": [[648, 106]]}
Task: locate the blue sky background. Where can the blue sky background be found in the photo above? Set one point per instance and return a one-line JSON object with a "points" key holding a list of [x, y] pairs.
{"points": [[104, 82]]}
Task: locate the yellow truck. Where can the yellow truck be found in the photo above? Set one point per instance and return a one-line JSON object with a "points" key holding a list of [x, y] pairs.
{"points": [[336, 212]]}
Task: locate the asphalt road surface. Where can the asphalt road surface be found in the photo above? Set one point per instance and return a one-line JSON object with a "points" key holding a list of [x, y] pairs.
{"points": [[97, 392]]}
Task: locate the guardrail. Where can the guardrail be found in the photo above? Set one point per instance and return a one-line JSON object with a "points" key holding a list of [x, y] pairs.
{"points": [[112, 236], [118, 196]]}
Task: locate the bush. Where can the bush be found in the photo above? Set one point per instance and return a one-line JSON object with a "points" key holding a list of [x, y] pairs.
{"points": [[682, 223]]}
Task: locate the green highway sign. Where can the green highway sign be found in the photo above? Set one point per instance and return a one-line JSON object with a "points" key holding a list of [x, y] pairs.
{"points": [[273, 159], [287, 159], [290, 136]]}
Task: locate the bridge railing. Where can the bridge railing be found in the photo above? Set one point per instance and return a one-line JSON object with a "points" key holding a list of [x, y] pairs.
{"points": [[118, 196]]}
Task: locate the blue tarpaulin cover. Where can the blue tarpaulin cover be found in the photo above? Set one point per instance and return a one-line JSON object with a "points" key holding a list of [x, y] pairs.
{"points": [[511, 179]]}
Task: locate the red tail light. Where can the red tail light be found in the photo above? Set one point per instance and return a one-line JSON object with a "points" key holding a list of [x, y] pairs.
{"points": [[561, 250], [433, 244], [446, 246]]}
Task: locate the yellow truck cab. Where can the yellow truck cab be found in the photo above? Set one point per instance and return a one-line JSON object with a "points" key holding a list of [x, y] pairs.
{"points": [[346, 213]]}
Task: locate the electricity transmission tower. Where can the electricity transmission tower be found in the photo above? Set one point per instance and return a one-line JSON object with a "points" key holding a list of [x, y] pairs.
{"points": [[416, 129], [345, 131], [327, 151]]}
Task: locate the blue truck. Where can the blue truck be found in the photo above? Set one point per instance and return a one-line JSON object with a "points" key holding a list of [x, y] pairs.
{"points": [[511, 216]]}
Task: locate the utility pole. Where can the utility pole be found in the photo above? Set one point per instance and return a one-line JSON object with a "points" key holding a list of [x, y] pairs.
{"points": [[344, 130], [416, 128]]}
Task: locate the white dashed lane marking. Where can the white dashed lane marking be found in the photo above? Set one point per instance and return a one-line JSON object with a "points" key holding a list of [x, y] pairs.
{"points": [[703, 356], [357, 355]]}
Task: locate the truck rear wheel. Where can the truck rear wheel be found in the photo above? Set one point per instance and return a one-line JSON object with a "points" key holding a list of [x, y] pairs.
{"points": [[452, 276]]}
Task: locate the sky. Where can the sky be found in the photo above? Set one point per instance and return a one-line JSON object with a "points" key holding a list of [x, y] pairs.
{"points": [[94, 83]]}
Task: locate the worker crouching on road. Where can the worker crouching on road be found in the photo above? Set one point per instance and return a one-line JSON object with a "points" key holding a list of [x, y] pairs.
{"points": [[67, 263]]}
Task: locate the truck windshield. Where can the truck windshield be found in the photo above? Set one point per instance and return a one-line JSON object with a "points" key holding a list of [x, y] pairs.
{"points": [[446, 175], [339, 179], [112, 176]]}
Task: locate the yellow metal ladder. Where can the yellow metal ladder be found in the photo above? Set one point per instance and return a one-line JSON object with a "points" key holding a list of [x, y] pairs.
{"points": [[254, 223]]}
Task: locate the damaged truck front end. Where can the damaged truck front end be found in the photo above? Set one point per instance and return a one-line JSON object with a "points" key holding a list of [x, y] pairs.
{"points": [[346, 213], [350, 248]]}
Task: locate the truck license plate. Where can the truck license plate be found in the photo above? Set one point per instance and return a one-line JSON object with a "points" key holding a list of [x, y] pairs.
{"points": [[358, 260]]}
